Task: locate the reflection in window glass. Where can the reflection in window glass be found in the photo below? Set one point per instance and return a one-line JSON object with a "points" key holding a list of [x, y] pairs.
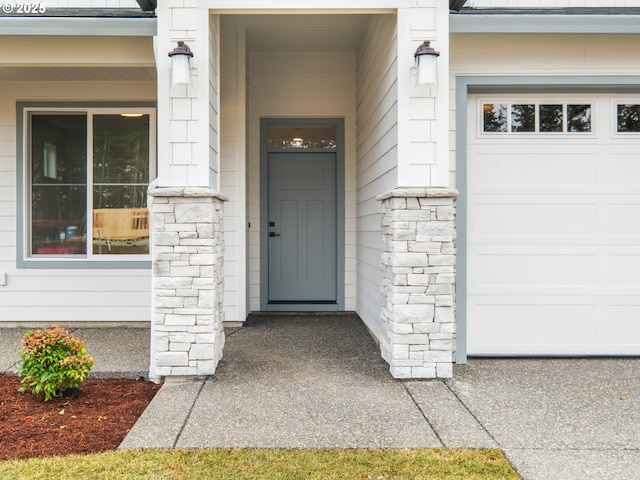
{"points": [[629, 118], [494, 117], [302, 136], [120, 181], [58, 183], [550, 118], [89, 175], [579, 118], [523, 118]]}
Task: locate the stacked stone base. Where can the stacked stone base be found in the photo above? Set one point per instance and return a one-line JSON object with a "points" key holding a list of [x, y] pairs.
{"points": [[187, 334], [418, 287]]}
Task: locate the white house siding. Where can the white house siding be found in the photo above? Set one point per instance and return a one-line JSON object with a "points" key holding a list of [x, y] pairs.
{"points": [[38, 296], [301, 85], [233, 170], [377, 139], [529, 54]]}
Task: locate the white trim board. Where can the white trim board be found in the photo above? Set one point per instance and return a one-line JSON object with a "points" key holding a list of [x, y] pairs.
{"points": [[79, 26], [546, 23]]}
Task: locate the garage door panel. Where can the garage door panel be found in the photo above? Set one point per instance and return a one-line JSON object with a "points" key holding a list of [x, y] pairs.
{"points": [[623, 218], [532, 216], [519, 170], [622, 327], [514, 325], [553, 239], [623, 170], [543, 273], [623, 270]]}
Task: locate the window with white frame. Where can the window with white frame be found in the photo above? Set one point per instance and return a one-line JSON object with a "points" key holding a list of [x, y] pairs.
{"points": [[540, 118], [628, 118], [87, 171]]}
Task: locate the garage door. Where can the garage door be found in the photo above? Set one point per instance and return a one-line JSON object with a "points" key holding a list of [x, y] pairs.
{"points": [[553, 254]]}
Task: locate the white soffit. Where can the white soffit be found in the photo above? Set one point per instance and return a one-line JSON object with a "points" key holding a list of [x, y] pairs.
{"points": [[300, 33]]}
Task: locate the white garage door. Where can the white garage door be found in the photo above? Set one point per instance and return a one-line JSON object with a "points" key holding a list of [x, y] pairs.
{"points": [[553, 259]]}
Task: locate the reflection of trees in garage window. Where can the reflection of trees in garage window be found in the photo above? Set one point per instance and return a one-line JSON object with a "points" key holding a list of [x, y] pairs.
{"points": [[523, 118], [578, 118], [508, 118], [550, 118], [495, 117], [629, 118]]}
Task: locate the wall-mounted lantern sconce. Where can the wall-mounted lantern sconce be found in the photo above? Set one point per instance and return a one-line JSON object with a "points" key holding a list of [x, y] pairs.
{"points": [[180, 64], [426, 65]]}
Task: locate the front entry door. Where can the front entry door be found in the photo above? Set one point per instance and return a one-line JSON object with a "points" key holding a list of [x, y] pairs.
{"points": [[302, 228]]}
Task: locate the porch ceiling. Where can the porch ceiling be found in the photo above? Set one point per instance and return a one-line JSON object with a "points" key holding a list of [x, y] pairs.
{"points": [[300, 33]]}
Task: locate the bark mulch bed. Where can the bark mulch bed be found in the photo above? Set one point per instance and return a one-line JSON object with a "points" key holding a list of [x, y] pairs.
{"points": [[94, 418]]}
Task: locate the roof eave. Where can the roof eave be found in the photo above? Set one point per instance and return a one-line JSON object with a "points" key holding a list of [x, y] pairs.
{"points": [[544, 23], [79, 26]]}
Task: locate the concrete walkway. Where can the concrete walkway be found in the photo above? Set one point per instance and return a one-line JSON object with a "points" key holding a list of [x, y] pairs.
{"points": [[318, 381]]}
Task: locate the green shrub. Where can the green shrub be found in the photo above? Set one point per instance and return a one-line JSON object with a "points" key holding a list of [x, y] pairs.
{"points": [[52, 361]]}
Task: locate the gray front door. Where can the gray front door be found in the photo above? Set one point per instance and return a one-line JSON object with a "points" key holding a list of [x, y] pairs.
{"points": [[302, 227]]}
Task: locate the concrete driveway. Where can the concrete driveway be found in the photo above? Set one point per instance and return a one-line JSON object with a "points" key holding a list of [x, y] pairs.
{"points": [[558, 418], [318, 381]]}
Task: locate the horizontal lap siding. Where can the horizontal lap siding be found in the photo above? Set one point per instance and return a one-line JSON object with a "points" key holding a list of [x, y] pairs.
{"points": [[52, 295], [555, 55], [8, 192], [377, 139]]}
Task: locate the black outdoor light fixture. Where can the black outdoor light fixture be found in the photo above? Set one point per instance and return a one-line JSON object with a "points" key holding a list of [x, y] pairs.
{"points": [[426, 65], [180, 64]]}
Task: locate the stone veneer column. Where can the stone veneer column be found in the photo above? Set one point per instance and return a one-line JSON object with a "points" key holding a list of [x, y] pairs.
{"points": [[418, 285], [187, 335]]}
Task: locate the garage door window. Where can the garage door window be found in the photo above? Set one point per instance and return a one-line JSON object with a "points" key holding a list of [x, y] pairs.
{"points": [[628, 116], [517, 117]]}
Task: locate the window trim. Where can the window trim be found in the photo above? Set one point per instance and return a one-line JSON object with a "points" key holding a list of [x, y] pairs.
{"points": [[536, 101], [614, 116], [23, 258]]}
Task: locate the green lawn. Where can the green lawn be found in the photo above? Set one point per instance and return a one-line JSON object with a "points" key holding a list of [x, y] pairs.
{"points": [[281, 464]]}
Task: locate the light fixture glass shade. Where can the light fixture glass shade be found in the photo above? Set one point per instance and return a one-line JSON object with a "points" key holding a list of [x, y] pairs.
{"points": [[426, 64], [427, 67], [180, 70]]}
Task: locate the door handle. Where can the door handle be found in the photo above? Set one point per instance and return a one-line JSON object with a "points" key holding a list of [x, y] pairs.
{"points": [[274, 234]]}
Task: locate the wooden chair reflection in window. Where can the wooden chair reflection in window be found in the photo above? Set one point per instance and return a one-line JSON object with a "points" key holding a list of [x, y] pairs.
{"points": [[125, 227]]}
